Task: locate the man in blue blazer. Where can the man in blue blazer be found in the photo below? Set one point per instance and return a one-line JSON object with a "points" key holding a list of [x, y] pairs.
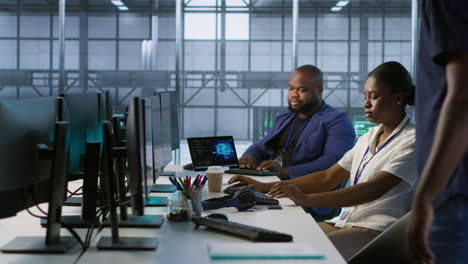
{"points": [[311, 137]]}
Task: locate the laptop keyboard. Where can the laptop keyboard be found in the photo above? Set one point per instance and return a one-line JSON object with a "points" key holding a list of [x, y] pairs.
{"points": [[252, 172]]}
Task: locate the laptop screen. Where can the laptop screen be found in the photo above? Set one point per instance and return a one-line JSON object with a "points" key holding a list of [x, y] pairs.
{"points": [[212, 151]]}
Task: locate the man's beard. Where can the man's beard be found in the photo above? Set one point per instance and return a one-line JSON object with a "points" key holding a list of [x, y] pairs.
{"points": [[307, 108]]}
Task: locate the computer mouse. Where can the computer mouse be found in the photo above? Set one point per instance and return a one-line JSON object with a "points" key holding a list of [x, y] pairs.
{"points": [[188, 166], [217, 216], [233, 188]]}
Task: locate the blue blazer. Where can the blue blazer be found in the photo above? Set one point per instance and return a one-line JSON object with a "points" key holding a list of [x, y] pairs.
{"points": [[326, 138]]}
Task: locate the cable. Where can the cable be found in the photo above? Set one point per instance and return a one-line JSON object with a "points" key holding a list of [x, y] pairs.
{"points": [[75, 192], [73, 232], [40, 209], [33, 214]]}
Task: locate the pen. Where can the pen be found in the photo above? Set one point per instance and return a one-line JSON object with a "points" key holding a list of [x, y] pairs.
{"points": [[175, 183], [203, 182], [182, 184]]}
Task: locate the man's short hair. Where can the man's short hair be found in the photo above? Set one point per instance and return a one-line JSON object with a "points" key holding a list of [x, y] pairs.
{"points": [[311, 69]]}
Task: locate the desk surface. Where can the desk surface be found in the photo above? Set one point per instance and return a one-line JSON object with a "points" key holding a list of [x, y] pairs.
{"points": [[180, 242]]}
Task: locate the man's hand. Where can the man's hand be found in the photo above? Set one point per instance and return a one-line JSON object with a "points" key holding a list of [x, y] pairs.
{"points": [[250, 183], [417, 236], [288, 190], [247, 162], [273, 165]]}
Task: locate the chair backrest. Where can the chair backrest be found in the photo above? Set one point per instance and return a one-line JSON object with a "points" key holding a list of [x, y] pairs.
{"points": [[388, 247]]}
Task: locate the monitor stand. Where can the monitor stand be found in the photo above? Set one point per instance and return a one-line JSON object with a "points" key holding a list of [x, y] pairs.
{"points": [[73, 201], [128, 243], [38, 245], [167, 173], [156, 201], [144, 221], [163, 188]]}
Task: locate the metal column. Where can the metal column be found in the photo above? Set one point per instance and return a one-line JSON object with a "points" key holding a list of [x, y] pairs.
{"points": [[295, 17], [84, 47], [414, 34], [62, 4], [178, 57]]}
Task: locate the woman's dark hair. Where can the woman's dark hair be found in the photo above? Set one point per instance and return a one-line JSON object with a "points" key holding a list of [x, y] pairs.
{"points": [[394, 76]]}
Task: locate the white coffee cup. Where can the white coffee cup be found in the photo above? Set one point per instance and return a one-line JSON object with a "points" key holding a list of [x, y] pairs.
{"points": [[215, 178]]}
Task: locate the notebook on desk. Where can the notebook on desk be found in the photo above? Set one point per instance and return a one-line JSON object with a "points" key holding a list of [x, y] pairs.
{"points": [[219, 151]]}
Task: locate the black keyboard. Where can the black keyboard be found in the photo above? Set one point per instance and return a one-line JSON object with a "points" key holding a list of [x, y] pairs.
{"points": [[251, 232], [252, 172]]}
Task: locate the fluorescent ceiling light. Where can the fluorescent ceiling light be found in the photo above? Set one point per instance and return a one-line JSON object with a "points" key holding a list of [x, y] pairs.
{"points": [[336, 9], [122, 8], [342, 3], [117, 3]]}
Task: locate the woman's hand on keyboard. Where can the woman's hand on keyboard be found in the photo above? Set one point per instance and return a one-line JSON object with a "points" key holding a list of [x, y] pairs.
{"points": [[288, 190]]}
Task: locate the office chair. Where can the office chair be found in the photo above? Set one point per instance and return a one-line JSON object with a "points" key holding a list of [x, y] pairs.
{"points": [[388, 247]]}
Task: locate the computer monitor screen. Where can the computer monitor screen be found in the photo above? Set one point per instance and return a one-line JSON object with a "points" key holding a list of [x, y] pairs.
{"points": [[212, 151], [109, 106], [361, 125], [86, 112], [175, 121], [27, 122], [148, 144], [33, 162], [158, 152], [165, 98], [135, 157]]}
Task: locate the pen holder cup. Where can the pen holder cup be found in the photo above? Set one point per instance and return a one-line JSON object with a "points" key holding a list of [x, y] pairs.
{"points": [[196, 202]]}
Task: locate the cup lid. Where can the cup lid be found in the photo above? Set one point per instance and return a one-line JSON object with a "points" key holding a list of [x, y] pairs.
{"points": [[215, 169]]}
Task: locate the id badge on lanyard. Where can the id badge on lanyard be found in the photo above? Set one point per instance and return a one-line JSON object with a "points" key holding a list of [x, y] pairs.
{"points": [[279, 159], [343, 218]]}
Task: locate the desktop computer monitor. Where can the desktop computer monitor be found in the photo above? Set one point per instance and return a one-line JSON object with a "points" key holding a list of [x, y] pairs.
{"points": [[158, 144], [166, 133], [150, 170], [33, 168], [115, 241], [109, 104], [361, 125], [135, 157], [174, 121], [137, 178], [86, 112]]}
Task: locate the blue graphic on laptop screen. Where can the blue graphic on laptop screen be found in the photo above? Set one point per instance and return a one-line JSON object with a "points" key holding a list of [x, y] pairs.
{"points": [[224, 150]]}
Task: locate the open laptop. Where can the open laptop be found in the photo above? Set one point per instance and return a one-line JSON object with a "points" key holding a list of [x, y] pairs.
{"points": [[219, 151]]}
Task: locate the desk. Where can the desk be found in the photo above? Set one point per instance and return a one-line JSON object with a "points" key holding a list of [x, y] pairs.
{"points": [[179, 242]]}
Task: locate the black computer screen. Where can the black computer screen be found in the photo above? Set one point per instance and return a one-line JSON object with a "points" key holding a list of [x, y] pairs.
{"points": [[158, 153], [148, 144], [86, 111], [135, 157], [25, 123], [166, 127], [175, 121], [212, 151]]}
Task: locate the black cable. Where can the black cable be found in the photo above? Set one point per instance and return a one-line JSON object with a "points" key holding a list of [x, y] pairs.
{"points": [[40, 209], [73, 232], [89, 234], [33, 214], [75, 192]]}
